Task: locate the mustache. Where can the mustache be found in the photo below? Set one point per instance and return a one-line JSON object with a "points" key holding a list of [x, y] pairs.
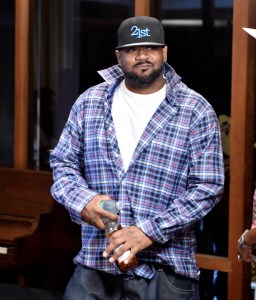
{"points": [[142, 63]]}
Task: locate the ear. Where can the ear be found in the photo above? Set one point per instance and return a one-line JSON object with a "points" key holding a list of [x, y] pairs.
{"points": [[118, 56], [165, 50]]}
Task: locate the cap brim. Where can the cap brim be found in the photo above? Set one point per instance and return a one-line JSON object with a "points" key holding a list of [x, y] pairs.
{"points": [[140, 44], [251, 31]]}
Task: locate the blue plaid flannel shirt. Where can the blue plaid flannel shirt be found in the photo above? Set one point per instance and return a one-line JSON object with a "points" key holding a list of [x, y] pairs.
{"points": [[175, 177]]}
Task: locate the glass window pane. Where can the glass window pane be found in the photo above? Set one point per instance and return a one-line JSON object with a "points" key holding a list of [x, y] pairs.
{"points": [[213, 285], [199, 38], [72, 41], [7, 21]]}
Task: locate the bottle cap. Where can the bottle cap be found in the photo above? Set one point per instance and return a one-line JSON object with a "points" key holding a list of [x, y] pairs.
{"points": [[119, 205]]}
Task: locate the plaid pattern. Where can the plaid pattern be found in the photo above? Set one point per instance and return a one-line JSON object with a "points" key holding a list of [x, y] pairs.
{"points": [[175, 177]]}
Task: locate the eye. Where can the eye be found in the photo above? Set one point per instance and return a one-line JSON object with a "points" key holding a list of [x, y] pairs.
{"points": [[132, 49], [152, 48]]}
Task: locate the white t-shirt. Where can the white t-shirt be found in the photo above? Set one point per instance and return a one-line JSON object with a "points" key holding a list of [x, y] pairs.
{"points": [[131, 113]]}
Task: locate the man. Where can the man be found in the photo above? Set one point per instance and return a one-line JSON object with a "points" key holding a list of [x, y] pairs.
{"points": [[145, 139]]}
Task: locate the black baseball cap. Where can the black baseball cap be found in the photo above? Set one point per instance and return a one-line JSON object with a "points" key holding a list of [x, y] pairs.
{"points": [[140, 31]]}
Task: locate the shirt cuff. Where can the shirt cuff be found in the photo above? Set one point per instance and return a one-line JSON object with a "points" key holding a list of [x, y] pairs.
{"points": [[152, 229], [76, 208]]}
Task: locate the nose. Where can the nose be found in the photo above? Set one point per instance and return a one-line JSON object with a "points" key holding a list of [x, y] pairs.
{"points": [[141, 52]]}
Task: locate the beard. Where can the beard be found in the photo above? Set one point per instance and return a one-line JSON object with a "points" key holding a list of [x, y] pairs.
{"points": [[142, 80]]}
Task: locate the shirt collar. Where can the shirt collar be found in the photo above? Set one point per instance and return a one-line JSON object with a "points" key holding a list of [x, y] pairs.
{"points": [[114, 74]]}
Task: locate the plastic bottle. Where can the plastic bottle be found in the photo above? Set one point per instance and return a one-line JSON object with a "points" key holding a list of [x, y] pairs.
{"points": [[111, 227]]}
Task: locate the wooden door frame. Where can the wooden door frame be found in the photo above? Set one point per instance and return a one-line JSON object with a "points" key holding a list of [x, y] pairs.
{"points": [[241, 143], [242, 108], [21, 83]]}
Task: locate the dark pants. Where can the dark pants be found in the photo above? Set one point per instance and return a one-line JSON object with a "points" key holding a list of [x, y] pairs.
{"points": [[90, 284]]}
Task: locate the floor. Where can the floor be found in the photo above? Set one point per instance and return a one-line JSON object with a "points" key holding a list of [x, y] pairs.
{"points": [[15, 292]]}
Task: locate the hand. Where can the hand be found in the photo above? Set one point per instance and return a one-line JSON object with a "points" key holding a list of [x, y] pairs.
{"points": [[131, 238], [245, 254], [92, 213]]}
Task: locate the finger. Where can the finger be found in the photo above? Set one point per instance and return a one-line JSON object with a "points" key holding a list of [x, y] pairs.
{"points": [[124, 253], [106, 214], [114, 248], [117, 253], [96, 222], [131, 256]]}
